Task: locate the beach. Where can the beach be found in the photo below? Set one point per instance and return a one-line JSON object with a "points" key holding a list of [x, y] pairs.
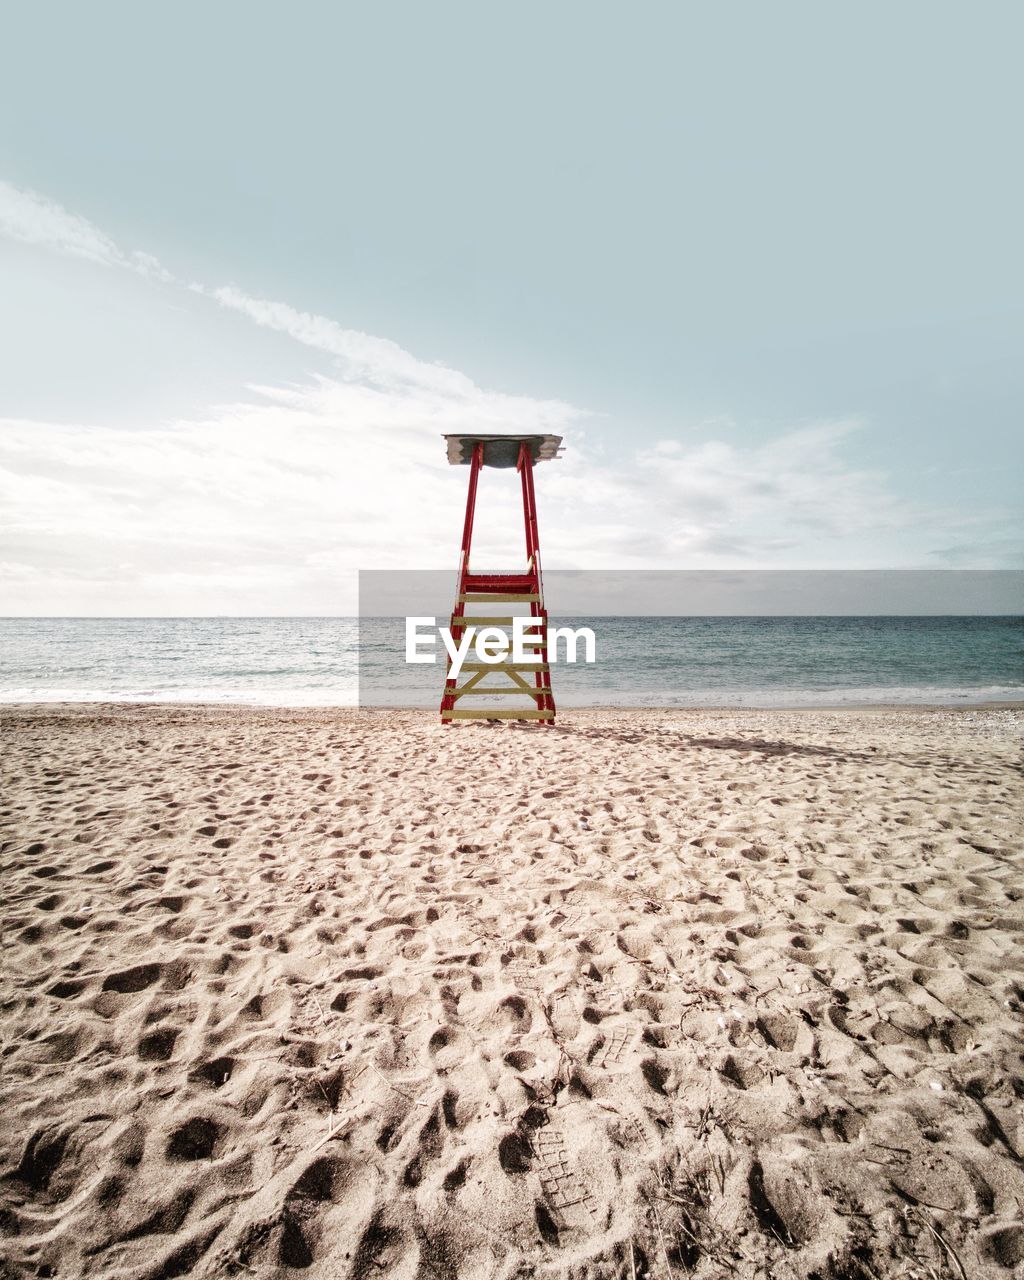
{"points": [[648, 994]]}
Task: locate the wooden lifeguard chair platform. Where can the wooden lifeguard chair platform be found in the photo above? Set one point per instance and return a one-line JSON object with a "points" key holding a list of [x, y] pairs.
{"points": [[526, 680]]}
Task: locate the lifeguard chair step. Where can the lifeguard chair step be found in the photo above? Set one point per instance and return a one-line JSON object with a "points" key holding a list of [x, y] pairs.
{"points": [[511, 667], [482, 597], [500, 582], [497, 713], [528, 667], [480, 691], [468, 620]]}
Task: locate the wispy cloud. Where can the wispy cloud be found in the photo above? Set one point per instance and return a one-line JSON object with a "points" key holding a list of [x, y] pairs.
{"points": [[32, 219], [360, 353], [383, 363], [265, 506], [795, 487], [270, 504], [283, 495]]}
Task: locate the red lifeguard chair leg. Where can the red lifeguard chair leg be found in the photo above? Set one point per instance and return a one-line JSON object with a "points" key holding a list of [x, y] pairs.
{"points": [[448, 698], [538, 609]]}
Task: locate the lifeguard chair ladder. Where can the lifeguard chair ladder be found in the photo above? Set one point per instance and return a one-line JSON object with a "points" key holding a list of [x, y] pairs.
{"points": [[527, 680]]}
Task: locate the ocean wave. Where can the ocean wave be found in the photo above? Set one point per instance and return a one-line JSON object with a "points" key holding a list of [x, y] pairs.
{"points": [[192, 697], [636, 697]]}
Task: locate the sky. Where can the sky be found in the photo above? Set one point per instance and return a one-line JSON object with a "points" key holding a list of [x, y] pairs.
{"points": [[760, 265]]}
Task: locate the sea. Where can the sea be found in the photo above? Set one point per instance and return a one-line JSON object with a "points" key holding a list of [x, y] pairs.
{"points": [[640, 661]]}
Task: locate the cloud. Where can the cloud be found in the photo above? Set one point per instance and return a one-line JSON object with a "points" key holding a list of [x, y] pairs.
{"points": [[263, 506], [29, 218], [270, 504], [785, 492], [362, 354], [383, 363], [32, 219]]}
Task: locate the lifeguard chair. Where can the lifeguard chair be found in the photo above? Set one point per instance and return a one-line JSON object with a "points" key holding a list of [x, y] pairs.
{"points": [[530, 681]]}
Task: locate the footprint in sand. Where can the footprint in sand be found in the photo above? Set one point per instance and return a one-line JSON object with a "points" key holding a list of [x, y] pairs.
{"points": [[516, 1014], [215, 1074], [196, 1139], [129, 981], [158, 1045]]}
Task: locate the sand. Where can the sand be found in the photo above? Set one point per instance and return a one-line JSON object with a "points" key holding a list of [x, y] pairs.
{"points": [[660, 994]]}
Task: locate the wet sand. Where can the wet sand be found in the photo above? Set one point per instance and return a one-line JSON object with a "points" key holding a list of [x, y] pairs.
{"points": [[653, 994]]}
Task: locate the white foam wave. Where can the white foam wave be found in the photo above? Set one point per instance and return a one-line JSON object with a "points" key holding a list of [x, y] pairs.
{"points": [[347, 697], [238, 697]]}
